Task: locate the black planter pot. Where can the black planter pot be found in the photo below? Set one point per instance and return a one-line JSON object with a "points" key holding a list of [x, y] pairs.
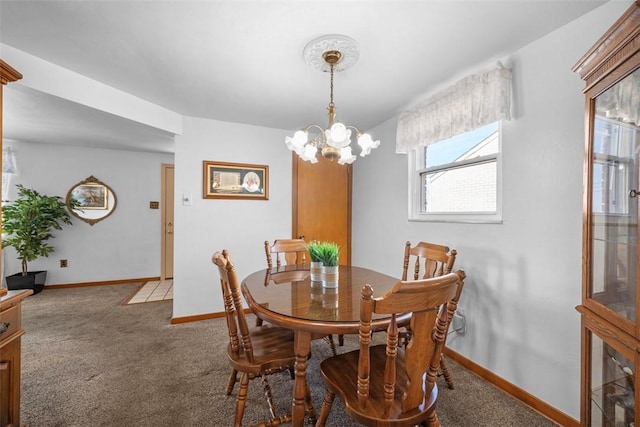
{"points": [[33, 280]]}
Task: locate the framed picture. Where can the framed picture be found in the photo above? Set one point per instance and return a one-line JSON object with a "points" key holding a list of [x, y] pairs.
{"points": [[224, 180], [90, 196]]}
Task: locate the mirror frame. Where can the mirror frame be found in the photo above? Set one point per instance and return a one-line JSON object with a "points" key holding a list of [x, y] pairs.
{"points": [[75, 212]]}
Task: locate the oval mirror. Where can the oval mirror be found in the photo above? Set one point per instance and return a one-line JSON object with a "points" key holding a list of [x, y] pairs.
{"points": [[91, 200]]}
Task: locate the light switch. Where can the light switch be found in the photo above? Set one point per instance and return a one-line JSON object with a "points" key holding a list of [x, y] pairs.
{"points": [[187, 199]]}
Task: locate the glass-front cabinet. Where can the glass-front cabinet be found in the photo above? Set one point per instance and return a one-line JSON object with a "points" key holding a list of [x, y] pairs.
{"points": [[609, 315]]}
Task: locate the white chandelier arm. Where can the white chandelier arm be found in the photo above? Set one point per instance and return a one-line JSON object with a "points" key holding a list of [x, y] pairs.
{"points": [[318, 128]]}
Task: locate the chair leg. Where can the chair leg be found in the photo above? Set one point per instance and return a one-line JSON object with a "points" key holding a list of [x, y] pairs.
{"points": [[242, 399], [310, 410], [332, 344], [233, 378], [432, 420], [326, 408], [446, 373], [267, 394], [341, 340]]}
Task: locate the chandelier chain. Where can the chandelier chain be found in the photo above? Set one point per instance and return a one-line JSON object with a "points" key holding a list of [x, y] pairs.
{"points": [[331, 86]]}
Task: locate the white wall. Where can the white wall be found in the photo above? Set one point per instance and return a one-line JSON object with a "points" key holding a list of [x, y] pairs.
{"points": [[126, 245], [209, 225], [524, 275]]}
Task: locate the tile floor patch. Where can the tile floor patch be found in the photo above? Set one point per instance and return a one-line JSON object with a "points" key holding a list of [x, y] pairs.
{"points": [[156, 290]]}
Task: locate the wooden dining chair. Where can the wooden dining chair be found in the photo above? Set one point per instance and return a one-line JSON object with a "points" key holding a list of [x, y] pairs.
{"points": [[254, 352], [429, 260], [388, 384]]}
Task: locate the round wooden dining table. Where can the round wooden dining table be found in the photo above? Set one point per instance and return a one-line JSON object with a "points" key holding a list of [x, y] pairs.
{"points": [[286, 296]]}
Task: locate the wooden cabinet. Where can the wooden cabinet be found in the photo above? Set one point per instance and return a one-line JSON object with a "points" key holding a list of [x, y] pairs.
{"points": [[322, 203], [10, 342], [609, 311]]}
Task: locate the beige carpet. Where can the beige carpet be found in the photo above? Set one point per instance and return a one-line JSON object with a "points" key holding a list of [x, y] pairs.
{"points": [[90, 361]]}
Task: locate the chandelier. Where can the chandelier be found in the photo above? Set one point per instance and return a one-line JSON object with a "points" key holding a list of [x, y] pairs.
{"points": [[332, 53]]}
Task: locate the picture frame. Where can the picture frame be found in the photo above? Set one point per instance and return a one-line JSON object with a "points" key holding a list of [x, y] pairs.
{"points": [[90, 196], [226, 180]]}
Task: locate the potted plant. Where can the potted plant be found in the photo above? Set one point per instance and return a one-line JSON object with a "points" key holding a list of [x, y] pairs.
{"points": [[329, 254], [315, 253], [27, 225]]}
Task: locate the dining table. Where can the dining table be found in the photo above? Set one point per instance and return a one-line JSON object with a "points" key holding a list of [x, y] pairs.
{"points": [[287, 297]]}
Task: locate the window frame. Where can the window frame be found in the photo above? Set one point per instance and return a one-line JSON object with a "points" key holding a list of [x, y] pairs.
{"points": [[416, 162]]}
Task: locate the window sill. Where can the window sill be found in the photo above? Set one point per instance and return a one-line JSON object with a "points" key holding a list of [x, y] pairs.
{"points": [[461, 219]]}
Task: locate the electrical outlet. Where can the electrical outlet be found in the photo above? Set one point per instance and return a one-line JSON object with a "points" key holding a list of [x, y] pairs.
{"points": [[64, 263], [459, 323]]}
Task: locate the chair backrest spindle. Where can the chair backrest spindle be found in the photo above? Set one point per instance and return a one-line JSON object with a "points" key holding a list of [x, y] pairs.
{"points": [[431, 259], [286, 251]]}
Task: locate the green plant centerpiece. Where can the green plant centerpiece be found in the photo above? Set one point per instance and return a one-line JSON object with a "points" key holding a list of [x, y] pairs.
{"points": [[328, 253], [315, 251], [27, 225]]}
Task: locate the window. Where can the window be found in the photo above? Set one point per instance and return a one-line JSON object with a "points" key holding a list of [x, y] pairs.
{"points": [[614, 148], [457, 179]]}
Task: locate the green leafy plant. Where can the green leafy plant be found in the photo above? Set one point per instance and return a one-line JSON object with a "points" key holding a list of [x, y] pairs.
{"points": [[326, 252], [315, 251], [28, 222]]}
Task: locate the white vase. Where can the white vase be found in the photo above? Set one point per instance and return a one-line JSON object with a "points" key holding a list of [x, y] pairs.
{"points": [[316, 271], [330, 276]]}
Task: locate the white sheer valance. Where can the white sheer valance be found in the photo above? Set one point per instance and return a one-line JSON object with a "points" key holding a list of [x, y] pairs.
{"points": [[474, 101]]}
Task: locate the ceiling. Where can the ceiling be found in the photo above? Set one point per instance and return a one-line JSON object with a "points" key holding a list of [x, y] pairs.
{"points": [[242, 61]]}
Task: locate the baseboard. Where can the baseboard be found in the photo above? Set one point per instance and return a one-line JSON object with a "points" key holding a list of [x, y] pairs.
{"points": [[186, 319], [105, 282], [528, 399]]}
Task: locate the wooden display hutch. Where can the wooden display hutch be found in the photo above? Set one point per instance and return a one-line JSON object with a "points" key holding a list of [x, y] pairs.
{"points": [[10, 347], [609, 316]]}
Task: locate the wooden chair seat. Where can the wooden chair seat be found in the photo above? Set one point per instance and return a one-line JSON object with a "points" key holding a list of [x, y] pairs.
{"points": [[272, 348], [344, 368]]}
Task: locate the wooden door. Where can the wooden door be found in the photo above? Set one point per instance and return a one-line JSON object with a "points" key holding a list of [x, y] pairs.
{"points": [[167, 222], [322, 203]]}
